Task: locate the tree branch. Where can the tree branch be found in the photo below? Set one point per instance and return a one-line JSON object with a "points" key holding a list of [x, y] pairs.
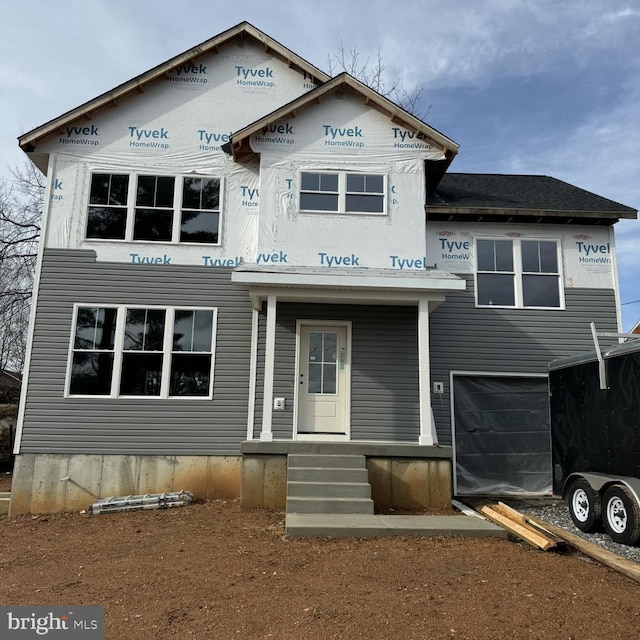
{"points": [[372, 73], [21, 204]]}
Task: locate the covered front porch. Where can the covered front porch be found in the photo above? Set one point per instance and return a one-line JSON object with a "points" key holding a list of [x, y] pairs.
{"points": [[342, 355], [340, 377]]}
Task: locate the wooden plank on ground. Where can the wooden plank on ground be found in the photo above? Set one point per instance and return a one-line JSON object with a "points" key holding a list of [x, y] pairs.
{"points": [[506, 510], [534, 538], [608, 558], [525, 520]]}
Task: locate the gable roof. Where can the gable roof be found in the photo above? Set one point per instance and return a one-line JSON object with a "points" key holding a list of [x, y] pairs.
{"points": [[524, 198], [239, 143], [29, 140]]}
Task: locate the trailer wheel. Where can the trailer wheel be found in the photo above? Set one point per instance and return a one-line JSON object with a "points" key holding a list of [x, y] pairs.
{"points": [[621, 515], [584, 505]]}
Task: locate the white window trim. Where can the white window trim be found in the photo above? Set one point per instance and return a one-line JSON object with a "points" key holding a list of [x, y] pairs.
{"points": [[517, 273], [177, 208], [167, 351], [342, 192]]}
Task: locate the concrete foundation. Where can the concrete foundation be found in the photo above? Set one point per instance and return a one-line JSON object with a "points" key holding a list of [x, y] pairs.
{"points": [[50, 483], [401, 476], [264, 482], [412, 484]]}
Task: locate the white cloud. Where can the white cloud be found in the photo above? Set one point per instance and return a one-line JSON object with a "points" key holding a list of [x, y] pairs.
{"points": [[599, 153], [56, 55], [469, 43]]}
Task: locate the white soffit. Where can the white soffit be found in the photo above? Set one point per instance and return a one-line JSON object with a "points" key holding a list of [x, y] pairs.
{"points": [[354, 279]]}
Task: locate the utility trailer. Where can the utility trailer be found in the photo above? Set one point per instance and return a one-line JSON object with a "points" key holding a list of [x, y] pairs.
{"points": [[595, 437]]}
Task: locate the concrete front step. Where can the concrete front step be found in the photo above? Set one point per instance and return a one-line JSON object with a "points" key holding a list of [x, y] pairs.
{"points": [[326, 474], [373, 526], [297, 489], [349, 506], [328, 483], [307, 460]]}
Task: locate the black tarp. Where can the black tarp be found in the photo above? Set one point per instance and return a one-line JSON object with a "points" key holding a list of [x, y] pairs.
{"points": [[502, 440]]}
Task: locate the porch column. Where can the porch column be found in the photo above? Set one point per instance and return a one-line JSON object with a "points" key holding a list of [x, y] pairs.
{"points": [[428, 434], [253, 367], [269, 365]]}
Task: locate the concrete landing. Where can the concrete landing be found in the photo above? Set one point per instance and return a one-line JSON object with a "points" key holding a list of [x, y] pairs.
{"points": [[308, 525]]}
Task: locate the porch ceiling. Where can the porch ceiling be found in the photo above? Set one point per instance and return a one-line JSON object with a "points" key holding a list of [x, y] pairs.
{"points": [[347, 286]]}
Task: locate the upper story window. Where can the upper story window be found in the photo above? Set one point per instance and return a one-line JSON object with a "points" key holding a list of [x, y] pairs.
{"points": [[142, 352], [108, 206], [342, 192], [154, 208], [518, 273]]}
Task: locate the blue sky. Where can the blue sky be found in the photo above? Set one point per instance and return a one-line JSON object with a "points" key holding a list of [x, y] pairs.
{"points": [[524, 86]]}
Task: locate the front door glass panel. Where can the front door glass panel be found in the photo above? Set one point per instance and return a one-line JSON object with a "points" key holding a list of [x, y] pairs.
{"points": [[322, 361]]}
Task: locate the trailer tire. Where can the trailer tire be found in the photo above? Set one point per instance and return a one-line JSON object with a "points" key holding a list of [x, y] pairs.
{"points": [[621, 515], [585, 506]]}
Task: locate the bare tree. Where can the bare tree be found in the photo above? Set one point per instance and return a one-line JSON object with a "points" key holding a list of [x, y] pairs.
{"points": [[21, 202], [372, 73]]}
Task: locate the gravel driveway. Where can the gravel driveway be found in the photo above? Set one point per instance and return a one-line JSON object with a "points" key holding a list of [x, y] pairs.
{"points": [[555, 511]]}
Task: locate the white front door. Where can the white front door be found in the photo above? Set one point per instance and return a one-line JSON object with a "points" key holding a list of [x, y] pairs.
{"points": [[323, 379]]}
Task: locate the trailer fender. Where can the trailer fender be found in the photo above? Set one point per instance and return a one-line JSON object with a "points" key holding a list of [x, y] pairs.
{"points": [[600, 481]]}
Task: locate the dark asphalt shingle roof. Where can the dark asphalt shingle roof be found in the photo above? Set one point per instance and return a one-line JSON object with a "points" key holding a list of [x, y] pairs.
{"points": [[499, 191]]}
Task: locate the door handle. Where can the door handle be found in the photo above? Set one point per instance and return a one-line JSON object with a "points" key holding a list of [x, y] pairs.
{"points": [[301, 380]]}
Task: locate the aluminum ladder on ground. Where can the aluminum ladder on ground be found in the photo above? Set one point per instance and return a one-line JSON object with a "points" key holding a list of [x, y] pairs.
{"points": [[141, 502]]}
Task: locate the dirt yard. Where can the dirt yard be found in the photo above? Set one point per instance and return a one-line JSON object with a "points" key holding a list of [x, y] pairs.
{"points": [[213, 571]]}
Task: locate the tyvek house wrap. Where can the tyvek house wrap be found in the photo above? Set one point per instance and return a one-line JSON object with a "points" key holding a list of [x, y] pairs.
{"points": [[587, 251], [170, 130], [342, 134], [176, 126], [179, 127]]}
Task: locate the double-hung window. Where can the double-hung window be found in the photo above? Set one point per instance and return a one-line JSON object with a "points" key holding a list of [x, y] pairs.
{"points": [[142, 352], [154, 211], [154, 208], [93, 351], [342, 192], [540, 273], [200, 217], [108, 206], [518, 273]]}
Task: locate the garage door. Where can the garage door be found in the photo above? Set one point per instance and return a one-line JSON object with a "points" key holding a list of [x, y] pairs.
{"points": [[502, 440]]}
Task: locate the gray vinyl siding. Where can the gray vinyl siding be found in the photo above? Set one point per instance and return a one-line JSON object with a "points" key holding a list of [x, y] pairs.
{"points": [[384, 369], [466, 338], [55, 424]]}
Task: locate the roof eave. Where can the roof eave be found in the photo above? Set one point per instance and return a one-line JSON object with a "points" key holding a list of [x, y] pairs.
{"points": [[28, 141], [612, 216]]}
